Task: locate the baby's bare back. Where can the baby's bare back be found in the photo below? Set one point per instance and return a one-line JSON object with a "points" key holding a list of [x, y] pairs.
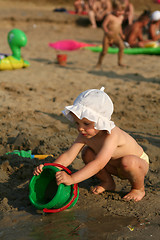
{"points": [[127, 145]]}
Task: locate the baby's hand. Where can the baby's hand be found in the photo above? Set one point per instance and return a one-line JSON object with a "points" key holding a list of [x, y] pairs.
{"points": [[63, 177], [38, 169]]}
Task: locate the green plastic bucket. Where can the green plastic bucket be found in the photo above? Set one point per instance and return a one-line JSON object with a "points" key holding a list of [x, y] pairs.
{"points": [[44, 193]]}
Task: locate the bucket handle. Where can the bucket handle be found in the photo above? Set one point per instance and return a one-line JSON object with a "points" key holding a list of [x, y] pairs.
{"points": [[75, 190]]}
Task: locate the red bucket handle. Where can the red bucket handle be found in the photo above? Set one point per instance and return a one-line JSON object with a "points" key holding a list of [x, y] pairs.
{"points": [[75, 190]]}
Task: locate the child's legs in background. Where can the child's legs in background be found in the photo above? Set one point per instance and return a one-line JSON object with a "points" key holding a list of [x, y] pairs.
{"points": [[104, 50], [120, 44]]}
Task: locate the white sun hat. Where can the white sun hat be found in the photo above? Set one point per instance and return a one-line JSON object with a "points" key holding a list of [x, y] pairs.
{"points": [[96, 106], [155, 16]]}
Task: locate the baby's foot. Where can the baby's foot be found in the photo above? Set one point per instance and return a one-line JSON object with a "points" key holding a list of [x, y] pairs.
{"points": [[135, 194], [102, 187], [98, 189]]}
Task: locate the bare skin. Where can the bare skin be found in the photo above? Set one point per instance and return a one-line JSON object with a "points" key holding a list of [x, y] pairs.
{"points": [[154, 26], [134, 34], [105, 175], [129, 12], [97, 10], [102, 8], [112, 35], [104, 155], [80, 6]]}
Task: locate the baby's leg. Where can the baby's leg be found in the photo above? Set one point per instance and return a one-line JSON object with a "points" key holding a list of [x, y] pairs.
{"points": [[134, 169], [107, 182], [104, 51]]}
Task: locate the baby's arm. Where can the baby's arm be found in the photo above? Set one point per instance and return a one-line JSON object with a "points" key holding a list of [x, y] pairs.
{"points": [[93, 167], [66, 158]]}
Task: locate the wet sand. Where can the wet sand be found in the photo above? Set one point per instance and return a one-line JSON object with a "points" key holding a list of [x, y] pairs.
{"points": [[32, 100]]}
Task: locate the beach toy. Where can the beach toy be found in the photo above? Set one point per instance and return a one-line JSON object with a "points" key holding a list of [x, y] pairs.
{"points": [[69, 45], [44, 193], [149, 50], [62, 59], [28, 154], [41, 156], [152, 44], [16, 40], [3, 55]]}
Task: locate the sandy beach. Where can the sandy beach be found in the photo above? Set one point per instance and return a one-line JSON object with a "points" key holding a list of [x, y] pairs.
{"points": [[32, 100]]}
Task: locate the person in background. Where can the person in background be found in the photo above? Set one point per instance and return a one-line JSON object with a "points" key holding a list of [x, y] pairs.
{"points": [[154, 26], [97, 10], [80, 6], [134, 33], [112, 26], [128, 14]]}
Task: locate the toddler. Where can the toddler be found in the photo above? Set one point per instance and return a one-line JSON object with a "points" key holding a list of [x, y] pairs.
{"points": [[112, 26], [106, 149]]}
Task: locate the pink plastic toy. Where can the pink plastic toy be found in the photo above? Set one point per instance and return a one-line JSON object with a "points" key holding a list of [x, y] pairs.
{"points": [[69, 45]]}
